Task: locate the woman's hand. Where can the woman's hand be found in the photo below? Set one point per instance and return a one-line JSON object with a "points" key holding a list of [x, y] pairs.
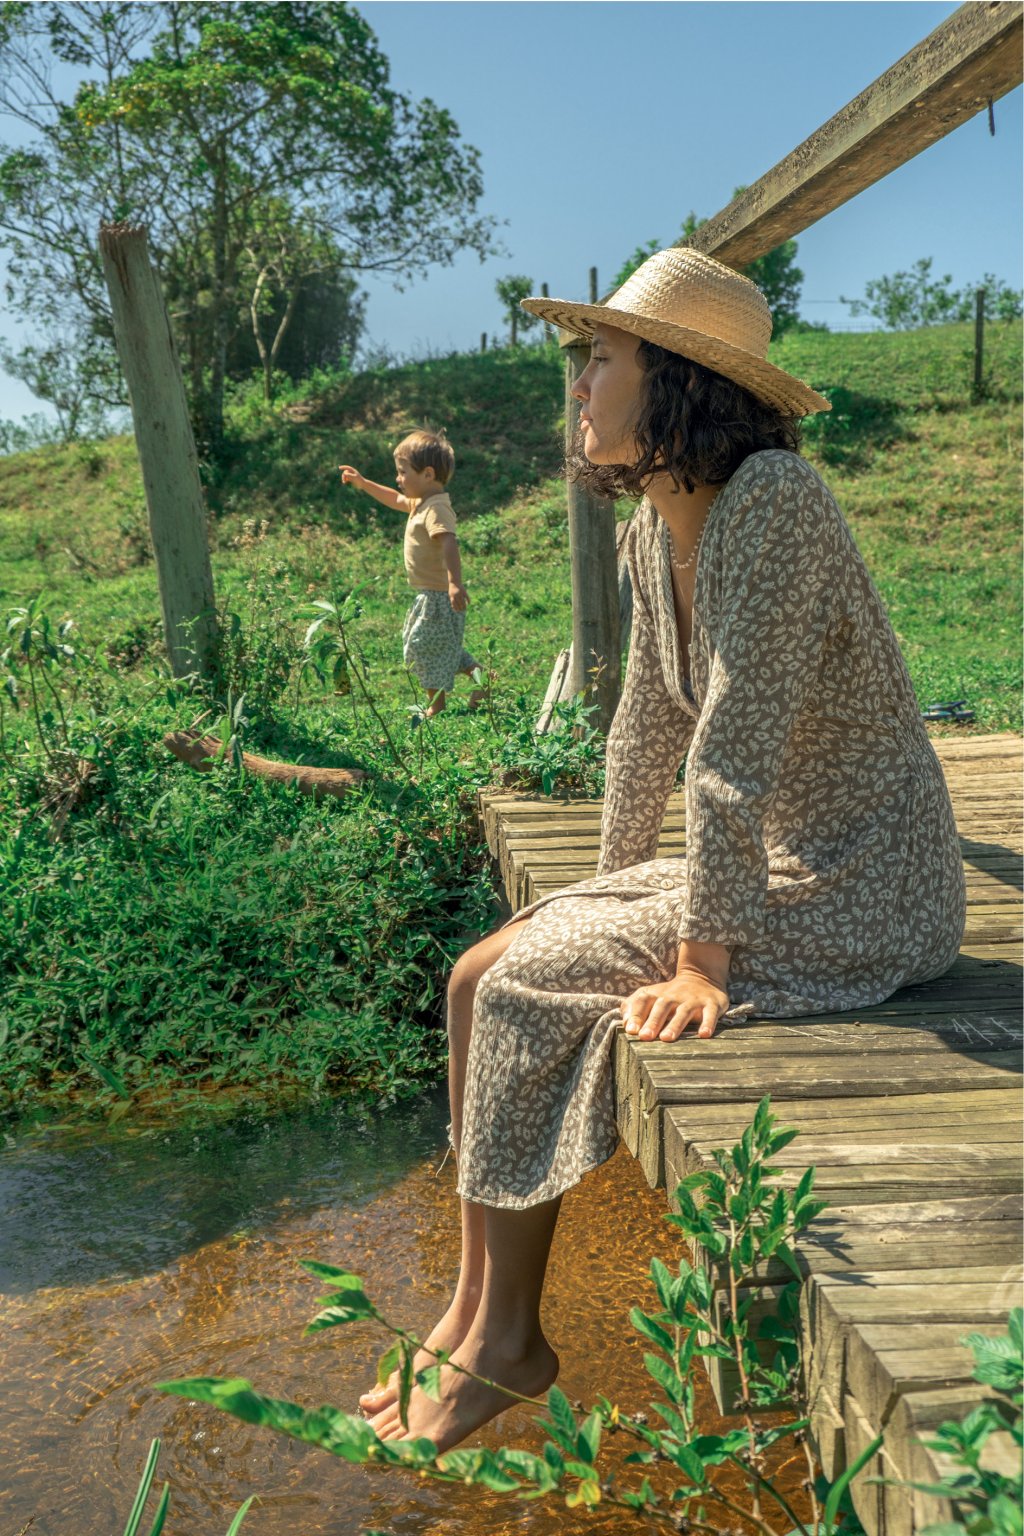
{"points": [[695, 995], [350, 476], [458, 596]]}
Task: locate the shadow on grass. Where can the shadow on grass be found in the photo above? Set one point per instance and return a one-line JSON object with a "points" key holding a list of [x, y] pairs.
{"points": [[857, 426]]}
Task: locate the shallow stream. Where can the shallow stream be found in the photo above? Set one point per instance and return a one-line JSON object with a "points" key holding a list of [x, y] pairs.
{"points": [[143, 1253]]}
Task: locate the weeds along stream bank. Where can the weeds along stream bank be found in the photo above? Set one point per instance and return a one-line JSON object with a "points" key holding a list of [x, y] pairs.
{"points": [[164, 928]]}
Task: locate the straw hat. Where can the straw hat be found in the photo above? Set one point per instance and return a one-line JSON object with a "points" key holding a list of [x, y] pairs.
{"points": [[690, 303]]}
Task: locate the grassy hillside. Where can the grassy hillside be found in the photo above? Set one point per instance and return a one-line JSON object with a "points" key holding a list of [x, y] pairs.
{"points": [[929, 482], [168, 929]]}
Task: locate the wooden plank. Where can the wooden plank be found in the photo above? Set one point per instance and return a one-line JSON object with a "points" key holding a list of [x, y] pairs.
{"points": [[830, 1309], [884, 1361], [902, 1107], [866, 1489], [816, 1115], [915, 1418], [974, 56]]}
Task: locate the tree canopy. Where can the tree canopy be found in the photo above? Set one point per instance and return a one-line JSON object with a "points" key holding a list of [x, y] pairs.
{"points": [[262, 146], [510, 290], [906, 300]]}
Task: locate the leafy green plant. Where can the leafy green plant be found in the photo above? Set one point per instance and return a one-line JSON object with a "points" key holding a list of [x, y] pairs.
{"points": [[742, 1221], [990, 1499], [568, 757], [331, 655], [257, 651]]}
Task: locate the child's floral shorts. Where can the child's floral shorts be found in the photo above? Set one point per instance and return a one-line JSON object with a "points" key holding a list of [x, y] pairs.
{"points": [[432, 641]]}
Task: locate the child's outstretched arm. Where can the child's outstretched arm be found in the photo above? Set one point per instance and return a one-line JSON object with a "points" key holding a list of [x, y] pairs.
{"points": [[382, 493], [457, 594]]}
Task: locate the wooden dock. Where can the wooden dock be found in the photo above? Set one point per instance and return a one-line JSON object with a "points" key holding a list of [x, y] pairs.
{"points": [[911, 1111]]}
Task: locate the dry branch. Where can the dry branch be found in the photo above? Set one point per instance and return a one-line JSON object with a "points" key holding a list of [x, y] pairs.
{"points": [[202, 752]]}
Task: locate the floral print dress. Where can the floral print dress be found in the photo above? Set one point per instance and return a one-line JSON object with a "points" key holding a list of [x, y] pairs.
{"points": [[821, 844]]}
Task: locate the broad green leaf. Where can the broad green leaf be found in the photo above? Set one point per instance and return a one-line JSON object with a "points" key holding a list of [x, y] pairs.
{"points": [[404, 1383], [688, 1461], [353, 1309], [665, 1376], [339, 1277], [430, 1381], [527, 1465], [788, 1257], [387, 1363], [588, 1494], [651, 1330], [588, 1441], [563, 1418]]}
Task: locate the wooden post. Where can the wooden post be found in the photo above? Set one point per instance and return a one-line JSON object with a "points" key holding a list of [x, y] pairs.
{"points": [[593, 285], [596, 646], [483, 341], [979, 340], [167, 450]]}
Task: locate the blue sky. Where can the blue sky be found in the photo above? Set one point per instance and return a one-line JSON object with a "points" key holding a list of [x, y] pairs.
{"points": [[601, 123]]}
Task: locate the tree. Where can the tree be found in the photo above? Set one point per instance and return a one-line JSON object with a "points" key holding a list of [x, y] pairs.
{"points": [[775, 273], [72, 370], [282, 258], [510, 290], [906, 300], [203, 122], [324, 331]]}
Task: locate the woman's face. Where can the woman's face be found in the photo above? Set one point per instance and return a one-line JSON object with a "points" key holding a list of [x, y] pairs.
{"points": [[608, 390]]}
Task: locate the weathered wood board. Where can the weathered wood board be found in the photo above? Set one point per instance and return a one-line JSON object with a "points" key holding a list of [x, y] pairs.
{"points": [[911, 1112]]}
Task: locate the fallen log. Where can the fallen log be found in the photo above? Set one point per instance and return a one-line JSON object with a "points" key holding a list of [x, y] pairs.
{"points": [[203, 751]]}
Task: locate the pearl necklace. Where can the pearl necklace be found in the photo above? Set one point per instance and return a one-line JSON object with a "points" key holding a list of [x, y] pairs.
{"points": [[684, 565]]}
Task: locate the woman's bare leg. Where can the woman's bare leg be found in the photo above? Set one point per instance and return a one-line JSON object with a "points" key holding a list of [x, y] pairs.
{"points": [[505, 1342], [455, 1324]]}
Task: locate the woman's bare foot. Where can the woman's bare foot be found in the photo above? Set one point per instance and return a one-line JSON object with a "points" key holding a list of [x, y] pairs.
{"points": [[476, 698], [447, 1334], [467, 1404]]}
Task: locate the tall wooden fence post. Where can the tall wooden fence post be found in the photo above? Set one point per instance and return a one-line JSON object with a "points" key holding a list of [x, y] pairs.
{"points": [[596, 646], [167, 450], [979, 341]]}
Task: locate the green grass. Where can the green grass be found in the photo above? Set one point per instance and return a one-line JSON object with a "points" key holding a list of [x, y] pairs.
{"points": [[180, 928]]}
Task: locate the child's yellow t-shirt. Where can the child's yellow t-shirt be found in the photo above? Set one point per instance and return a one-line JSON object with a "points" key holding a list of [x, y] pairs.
{"points": [[427, 519]]}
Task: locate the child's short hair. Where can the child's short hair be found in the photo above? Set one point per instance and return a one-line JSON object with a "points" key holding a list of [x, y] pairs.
{"points": [[429, 450]]}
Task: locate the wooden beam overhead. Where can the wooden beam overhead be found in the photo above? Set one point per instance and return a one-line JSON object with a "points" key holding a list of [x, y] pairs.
{"points": [[973, 58]]}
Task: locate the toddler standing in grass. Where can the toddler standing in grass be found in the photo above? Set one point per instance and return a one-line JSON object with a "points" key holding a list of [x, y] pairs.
{"points": [[434, 625]]}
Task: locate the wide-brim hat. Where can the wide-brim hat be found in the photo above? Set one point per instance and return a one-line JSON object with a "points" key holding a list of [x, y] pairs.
{"points": [[692, 304]]}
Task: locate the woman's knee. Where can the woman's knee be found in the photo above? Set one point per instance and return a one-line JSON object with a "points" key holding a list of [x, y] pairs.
{"points": [[470, 969]]}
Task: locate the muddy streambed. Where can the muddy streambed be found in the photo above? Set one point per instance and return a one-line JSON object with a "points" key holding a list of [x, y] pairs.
{"points": [[143, 1253]]}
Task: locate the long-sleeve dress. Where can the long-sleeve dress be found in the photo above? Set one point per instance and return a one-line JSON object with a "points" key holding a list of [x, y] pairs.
{"points": [[821, 845]]}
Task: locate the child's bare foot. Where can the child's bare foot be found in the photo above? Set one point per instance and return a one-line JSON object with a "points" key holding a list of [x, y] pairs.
{"points": [[447, 1334], [467, 1404]]}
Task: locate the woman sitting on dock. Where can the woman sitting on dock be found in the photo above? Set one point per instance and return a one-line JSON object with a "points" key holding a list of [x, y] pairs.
{"points": [[822, 869]]}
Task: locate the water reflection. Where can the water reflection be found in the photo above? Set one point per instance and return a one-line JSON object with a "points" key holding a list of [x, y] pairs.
{"points": [[132, 1258]]}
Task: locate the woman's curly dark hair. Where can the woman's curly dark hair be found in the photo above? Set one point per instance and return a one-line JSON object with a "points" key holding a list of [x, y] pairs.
{"points": [[694, 425]]}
